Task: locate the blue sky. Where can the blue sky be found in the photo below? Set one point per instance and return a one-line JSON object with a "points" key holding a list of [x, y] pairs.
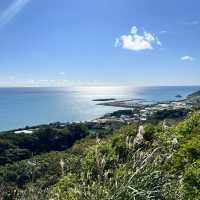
{"points": [[73, 42]]}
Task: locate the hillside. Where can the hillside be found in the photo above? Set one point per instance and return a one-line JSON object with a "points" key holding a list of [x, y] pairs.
{"points": [[195, 94], [194, 98], [146, 161], [159, 162]]}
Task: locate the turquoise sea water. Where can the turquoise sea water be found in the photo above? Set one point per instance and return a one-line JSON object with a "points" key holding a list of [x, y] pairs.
{"points": [[20, 107]]}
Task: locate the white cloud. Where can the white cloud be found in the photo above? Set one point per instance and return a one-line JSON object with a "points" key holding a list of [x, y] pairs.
{"points": [[187, 58], [135, 42], [12, 11], [134, 30]]}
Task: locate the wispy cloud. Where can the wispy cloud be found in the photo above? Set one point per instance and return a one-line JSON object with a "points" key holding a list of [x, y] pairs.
{"points": [[163, 32], [135, 42], [12, 11], [17, 82], [187, 58]]}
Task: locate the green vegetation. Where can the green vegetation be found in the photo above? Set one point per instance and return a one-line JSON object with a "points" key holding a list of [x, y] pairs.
{"points": [[170, 114], [161, 161], [118, 113], [15, 147]]}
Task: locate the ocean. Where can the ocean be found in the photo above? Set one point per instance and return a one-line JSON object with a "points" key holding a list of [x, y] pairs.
{"points": [[20, 107]]}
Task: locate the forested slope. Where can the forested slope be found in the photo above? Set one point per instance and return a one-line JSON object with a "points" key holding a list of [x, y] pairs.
{"points": [[138, 161]]}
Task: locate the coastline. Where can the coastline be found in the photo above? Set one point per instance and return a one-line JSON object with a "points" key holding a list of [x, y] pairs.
{"points": [[135, 110], [21, 107]]}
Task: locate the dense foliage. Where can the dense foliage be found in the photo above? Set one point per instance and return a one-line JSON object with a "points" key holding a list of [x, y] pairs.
{"points": [[118, 113], [159, 161], [162, 164], [15, 147], [170, 114]]}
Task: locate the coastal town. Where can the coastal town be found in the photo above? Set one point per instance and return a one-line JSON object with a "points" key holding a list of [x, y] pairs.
{"points": [[141, 110]]}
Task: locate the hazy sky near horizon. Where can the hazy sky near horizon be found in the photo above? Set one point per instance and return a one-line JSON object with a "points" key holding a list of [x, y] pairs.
{"points": [[73, 42]]}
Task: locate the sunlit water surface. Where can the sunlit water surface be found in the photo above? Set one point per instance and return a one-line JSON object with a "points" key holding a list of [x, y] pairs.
{"points": [[20, 107]]}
